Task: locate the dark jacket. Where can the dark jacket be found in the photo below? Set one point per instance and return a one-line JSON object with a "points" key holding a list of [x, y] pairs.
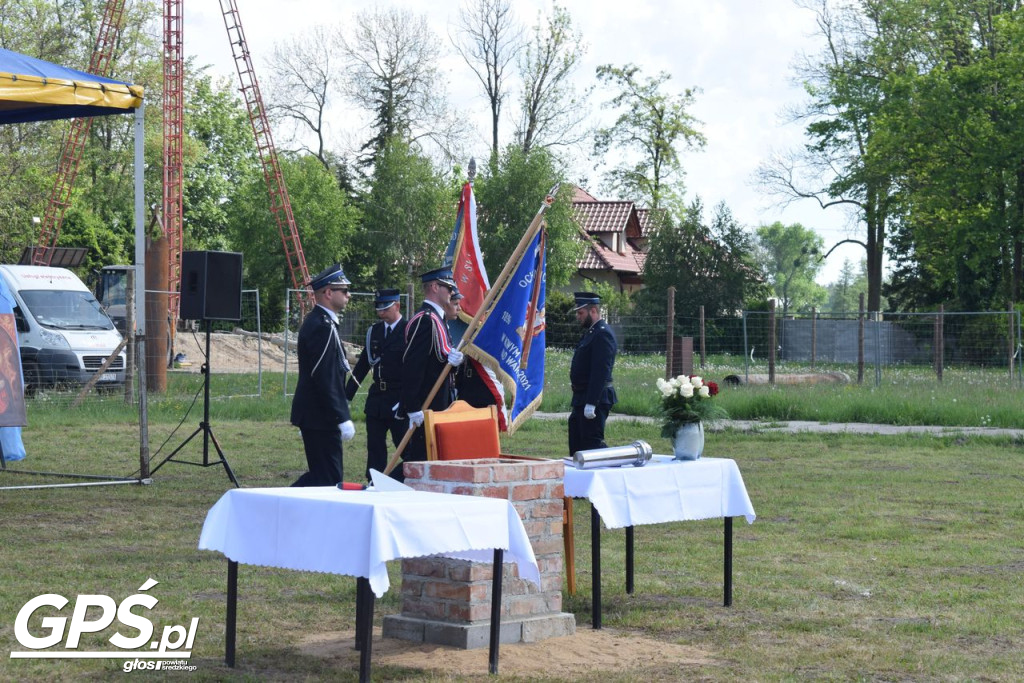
{"points": [[381, 359], [591, 371], [426, 355], [319, 401]]}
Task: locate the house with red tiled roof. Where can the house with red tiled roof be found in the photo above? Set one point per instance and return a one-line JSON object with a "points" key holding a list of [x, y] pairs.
{"points": [[616, 234]]}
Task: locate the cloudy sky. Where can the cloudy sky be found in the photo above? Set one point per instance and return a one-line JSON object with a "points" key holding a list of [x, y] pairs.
{"points": [[738, 52]]}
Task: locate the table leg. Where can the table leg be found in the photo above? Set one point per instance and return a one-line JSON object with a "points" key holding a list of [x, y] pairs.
{"points": [[595, 563], [492, 657], [229, 626], [364, 626], [727, 582], [629, 560], [360, 611]]}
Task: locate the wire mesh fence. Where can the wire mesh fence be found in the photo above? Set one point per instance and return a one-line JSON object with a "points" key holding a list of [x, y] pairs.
{"points": [[244, 360]]}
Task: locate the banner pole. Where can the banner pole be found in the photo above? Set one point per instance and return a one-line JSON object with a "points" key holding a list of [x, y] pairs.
{"points": [[474, 325]]}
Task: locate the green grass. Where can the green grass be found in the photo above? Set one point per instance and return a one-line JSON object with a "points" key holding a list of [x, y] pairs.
{"points": [[966, 397], [873, 558]]}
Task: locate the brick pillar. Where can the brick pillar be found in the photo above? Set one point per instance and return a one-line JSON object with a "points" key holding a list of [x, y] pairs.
{"points": [[447, 601]]}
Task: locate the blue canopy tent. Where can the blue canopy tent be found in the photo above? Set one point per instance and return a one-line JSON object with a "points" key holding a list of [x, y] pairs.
{"points": [[36, 90]]}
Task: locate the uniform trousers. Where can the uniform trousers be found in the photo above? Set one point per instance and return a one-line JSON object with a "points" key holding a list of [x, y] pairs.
{"points": [[586, 434], [323, 457], [377, 430]]}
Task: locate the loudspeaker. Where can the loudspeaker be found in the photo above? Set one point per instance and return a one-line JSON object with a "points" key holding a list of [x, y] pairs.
{"points": [[211, 285]]}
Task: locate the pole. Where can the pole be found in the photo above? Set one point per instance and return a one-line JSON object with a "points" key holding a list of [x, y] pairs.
{"points": [[669, 331], [771, 342], [860, 341], [474, 325]]}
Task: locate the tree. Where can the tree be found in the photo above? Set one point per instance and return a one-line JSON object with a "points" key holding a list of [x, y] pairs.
{"points": [[408, 214], [489, 38], [791, 259], [392, 73], [844, 293], [649, 127], [551, 113], [219, 156], [304, 73], [326, 222], [709, 265], [509, 195]]}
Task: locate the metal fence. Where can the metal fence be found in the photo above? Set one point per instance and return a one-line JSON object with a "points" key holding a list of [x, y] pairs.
{"points": [[246, 361]]}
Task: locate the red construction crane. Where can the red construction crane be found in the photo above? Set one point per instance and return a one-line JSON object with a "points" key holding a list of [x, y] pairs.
{"points": [[280, 204], [71, 155], [174, 117], [173, 131]]}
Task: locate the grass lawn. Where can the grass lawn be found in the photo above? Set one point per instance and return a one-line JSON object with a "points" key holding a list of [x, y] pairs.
{"points": [[875, 558]]}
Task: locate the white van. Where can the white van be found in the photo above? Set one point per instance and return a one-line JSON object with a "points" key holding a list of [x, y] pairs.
{"points": [[64, 334]]}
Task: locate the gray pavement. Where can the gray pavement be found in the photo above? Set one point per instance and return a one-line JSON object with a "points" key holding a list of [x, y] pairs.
{"points": [[794, 426]]}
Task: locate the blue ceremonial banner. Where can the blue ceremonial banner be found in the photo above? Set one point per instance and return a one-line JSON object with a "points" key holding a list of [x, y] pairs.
{"points": [[511, 340]]}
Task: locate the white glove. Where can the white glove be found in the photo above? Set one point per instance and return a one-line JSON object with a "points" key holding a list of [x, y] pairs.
{"points": [[455, 357], [348, 430], [589, 411], [415, 419]]}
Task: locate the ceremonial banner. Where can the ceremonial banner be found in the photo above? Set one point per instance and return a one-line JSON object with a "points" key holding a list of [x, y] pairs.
{"points": [[511, 340], [464, 257]]}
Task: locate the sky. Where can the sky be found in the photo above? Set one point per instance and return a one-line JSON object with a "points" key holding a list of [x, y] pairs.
{"points": [[739, 53]]}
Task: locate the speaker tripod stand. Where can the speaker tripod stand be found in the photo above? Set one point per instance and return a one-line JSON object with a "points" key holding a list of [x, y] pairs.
{"points": [[204, 427]]}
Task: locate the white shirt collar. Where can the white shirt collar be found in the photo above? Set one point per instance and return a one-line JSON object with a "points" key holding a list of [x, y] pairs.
{"points": [[440, 311], [332, 314]]}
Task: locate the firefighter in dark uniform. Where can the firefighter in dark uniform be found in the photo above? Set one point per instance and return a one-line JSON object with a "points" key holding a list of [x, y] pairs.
{"points": [[319, 407], [381, 358], [428, 349], [591, 376]]}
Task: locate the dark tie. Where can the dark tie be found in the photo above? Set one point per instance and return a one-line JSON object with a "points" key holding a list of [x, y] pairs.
{"points": [[387, 331]]}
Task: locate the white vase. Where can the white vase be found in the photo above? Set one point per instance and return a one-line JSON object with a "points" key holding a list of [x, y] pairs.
{"points": [[688, 443]]}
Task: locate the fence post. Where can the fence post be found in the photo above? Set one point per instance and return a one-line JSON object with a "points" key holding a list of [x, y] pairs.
{"points": [[876, 316], [860, 341], [941, 346], [703, 349], [771, 342], [129, 331], [746, 350], [669, 330], [814, 335], [1010, 340]]}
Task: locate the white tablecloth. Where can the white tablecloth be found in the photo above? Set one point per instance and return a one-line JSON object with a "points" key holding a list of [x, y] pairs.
{"points": [[324, 529], [663, 490]]}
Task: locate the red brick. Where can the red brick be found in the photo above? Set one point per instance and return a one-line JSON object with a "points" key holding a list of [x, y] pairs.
{"points": [[557, 490], [526, 605], [547, 509], [426, 486], [546, 546], [500, 492], [458, 472], [511, 473], [447, 591], [413, 470], [527, 492], [423, 566], [411, 588], [535, 528], [547, 470]]}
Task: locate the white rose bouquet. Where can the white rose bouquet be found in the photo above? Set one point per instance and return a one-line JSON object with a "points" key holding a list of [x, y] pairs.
{"points": [[685, 400]]}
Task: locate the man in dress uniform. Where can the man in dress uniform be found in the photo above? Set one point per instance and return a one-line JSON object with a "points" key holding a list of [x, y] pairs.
{"points": [[319, 407], [428, 349], [382, 359], [591, 376]]}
